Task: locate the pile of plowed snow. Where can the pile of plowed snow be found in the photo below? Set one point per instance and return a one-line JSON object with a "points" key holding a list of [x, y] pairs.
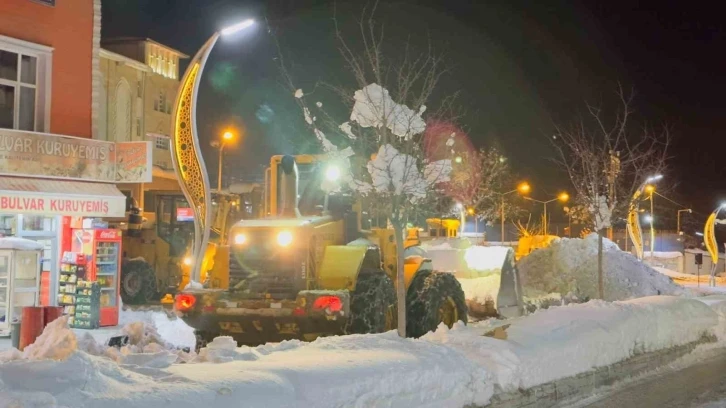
{"points": [[569, 266]]}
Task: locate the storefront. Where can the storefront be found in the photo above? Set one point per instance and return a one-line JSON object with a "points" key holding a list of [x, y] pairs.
{"points": [[50, 183]]}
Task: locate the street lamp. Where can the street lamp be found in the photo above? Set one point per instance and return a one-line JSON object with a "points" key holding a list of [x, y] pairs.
{"points": [[562, 197], [522, 188], [219, 144], [709, 238], [633, 225], [189, 166], [688, 210], [650, 189]]}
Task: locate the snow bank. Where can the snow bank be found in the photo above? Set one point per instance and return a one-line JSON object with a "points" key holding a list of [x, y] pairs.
{"points": [[171, 329], [19, 243], [663, 255], [570, 266], [565, 341], [350, 371]]}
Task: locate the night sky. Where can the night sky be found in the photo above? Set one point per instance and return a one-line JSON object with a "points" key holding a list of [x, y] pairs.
{"points": [[521, 67]]}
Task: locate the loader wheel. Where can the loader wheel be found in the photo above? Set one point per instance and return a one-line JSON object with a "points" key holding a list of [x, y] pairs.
{"points": [[372, 304], [138, 282], [433, 298], [202, 339]]}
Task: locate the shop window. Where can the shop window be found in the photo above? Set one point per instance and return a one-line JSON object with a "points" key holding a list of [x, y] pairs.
{"points": [[8, 225], [38, 223], [23, 84]]}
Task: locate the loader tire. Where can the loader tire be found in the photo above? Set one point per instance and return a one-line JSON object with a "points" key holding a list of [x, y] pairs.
{"points": [[372, 304], [138, 282], [433, 298]]}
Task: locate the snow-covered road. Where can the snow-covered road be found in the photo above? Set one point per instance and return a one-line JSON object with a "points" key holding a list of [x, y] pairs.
{"points": [[699, 386]]}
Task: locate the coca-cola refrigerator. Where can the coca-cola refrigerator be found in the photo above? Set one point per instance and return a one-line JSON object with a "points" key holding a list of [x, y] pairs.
{"points": [[102, 248]]}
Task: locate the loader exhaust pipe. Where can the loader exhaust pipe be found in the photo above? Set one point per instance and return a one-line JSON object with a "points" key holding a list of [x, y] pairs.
{"points": [[288, 188]]}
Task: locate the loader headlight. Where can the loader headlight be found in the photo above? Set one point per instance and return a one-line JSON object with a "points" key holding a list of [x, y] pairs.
{"points": [[284, 238], [187, 260], [240, 239], [332, 173]]}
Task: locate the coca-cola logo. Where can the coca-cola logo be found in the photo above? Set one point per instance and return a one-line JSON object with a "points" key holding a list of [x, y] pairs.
{"points": [[107, 235]]}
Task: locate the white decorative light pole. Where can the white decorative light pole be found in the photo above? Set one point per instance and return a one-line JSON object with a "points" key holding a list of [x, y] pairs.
{"points": [[186, 155]]}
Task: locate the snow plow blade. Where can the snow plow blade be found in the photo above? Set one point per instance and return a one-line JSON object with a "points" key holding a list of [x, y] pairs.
{"points": [[488, 276]]}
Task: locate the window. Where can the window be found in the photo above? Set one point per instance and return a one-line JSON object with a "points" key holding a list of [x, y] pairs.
{"points": [[24, 84], [17, 90], [162, 143]]}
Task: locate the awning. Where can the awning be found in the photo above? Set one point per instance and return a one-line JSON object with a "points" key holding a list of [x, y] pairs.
{"points": [[20, 195]]}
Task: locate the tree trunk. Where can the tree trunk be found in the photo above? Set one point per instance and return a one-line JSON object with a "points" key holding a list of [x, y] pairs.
{"points": [[600, 283], [400, 282]]}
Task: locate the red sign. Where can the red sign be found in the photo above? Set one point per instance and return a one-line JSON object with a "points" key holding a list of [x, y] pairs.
{"points": [[108, 235], [184, 214]]}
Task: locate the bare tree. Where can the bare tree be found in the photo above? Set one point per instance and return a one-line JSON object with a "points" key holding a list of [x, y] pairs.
{"points": [[608, 157], [390, 102]]}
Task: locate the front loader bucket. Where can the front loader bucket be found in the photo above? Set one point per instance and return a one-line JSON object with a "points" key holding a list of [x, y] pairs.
{"points": [[509, 298], [488, 276]]}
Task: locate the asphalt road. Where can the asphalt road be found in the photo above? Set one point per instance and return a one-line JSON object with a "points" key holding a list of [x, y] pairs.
{"points": [[699, 386]]}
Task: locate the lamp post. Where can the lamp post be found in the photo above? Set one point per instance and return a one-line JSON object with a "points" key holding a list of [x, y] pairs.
{"points": [[709, 238], [679, 219], [189, 166], [522, 188], [650, 189], [562, 197], [219, 144], [633, 225], [472, 213]]}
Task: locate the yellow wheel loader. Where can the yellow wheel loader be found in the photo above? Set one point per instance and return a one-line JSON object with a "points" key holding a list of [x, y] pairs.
{"points": [[309, 270], [157, 245]]}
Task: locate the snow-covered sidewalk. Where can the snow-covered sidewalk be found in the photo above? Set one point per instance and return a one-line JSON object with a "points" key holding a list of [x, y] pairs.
{"points": [[448, 368]]}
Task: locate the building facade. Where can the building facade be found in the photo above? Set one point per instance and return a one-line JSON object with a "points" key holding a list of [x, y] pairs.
{"points": [[140, 79], [55, 169], [46, 65]]}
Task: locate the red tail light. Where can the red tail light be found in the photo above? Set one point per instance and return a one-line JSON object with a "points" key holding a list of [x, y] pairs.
{"points": [[184, 302], [328, 302]]}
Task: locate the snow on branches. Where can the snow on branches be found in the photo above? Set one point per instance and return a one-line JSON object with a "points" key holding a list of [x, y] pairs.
{"points": [[395, 173], [374, 107]]}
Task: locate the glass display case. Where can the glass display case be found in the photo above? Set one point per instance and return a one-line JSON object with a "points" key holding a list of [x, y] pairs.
{"points": [[19, 278]]}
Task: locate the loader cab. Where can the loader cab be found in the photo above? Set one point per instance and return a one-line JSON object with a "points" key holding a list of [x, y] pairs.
{"points": [[175, 223]]}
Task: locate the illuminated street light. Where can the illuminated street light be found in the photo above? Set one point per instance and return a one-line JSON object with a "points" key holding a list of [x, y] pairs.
{"points": [[237, 27], [522, 188], [458, 159], [189, 166], [648, 218], [220, 144], [709, 238], [633, 223], [562, 197]]}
